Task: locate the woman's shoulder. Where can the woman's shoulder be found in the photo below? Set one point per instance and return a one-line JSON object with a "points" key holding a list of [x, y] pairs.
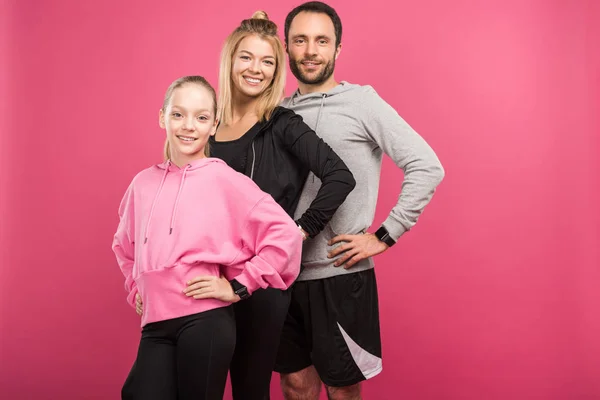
{"points": [[281, 113], [287, 125]]}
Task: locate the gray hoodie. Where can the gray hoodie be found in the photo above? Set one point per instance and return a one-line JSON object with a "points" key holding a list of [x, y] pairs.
{"points": [[360, 126]]}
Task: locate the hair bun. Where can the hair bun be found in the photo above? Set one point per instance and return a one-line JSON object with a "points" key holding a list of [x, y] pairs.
{"points": [[260, 15]]}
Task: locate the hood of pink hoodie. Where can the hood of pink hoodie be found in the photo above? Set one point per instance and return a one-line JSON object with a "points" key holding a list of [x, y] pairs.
{"points": [[168, 166]]}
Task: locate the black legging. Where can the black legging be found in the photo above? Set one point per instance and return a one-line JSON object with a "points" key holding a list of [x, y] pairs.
{"points": [[184, 358], [259, 322]]}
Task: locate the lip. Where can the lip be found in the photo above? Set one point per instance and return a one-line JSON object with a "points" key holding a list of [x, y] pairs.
{"points": [[252, 83], [184, 137], [310, 63]]}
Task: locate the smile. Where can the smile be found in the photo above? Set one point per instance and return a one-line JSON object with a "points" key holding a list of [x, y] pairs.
{"points": [[252, 81], [187, 138]]}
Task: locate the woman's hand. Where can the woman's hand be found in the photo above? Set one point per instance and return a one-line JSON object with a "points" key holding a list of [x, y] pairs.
{"points": [[211, 287]]}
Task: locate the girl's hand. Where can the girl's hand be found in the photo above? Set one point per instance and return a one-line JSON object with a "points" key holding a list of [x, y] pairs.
{"points": [[211, 287], [139, 306]]}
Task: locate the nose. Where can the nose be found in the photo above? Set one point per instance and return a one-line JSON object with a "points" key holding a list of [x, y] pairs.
{"points": [[189, 124], [255, 66], [311, 48]]}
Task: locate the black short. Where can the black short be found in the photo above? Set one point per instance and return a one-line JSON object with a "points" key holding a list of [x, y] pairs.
{"points": [[333, 324]]}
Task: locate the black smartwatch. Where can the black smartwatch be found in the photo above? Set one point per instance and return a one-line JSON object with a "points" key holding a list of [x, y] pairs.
{"points": [[239, 289], [383, 235]]}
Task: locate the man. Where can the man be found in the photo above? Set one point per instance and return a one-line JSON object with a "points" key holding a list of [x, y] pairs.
{"points": [[331, 334]]}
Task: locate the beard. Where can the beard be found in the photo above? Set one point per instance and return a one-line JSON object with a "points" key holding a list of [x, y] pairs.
{"points": [[322, 76]]}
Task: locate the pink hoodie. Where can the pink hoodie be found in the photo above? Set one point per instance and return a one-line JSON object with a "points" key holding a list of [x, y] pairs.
{"points": [[203, 219]]}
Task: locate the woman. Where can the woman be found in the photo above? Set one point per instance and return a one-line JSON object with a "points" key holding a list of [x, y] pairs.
{"points": [[276, 149], [194, 216]]}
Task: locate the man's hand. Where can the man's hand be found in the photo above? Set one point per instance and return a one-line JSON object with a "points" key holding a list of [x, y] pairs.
{"points": [[139, 305], [211, 287], [356, 248]]}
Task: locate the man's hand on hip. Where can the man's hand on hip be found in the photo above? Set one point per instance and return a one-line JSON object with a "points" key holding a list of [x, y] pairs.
{"points": [[356, 248]]}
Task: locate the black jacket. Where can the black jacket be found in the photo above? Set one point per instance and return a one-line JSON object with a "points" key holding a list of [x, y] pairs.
{"points": [[279, 159]]}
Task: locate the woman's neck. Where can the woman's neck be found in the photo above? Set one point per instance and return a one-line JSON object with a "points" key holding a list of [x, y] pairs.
{"points": [[243, 108]]}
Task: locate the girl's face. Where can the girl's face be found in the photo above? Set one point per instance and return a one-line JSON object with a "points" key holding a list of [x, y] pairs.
{"points": [[189, 120], [253, 66]]}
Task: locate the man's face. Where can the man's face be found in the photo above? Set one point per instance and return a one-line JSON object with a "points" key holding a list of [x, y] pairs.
{"points": [[311, 47]]}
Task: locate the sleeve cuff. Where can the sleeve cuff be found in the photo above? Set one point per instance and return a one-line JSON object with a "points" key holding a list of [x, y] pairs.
{"points": [[308, 228], [131, 296], [394, 228]]}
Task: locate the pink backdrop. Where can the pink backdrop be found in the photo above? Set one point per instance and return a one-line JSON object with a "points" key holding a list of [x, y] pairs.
{"points": [[494, 295]]}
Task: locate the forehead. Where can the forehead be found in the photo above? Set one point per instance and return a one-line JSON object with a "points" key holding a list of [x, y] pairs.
{"points": [[312, 24], [256, 46], [192, 96]]}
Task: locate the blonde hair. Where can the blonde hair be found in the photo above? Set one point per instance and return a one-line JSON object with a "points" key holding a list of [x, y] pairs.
{"points": [[195, 79], [261, 26]]}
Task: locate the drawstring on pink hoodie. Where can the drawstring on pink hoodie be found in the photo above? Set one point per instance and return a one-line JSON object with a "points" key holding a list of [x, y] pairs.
{"points": [[177, 198], [162, 182]]}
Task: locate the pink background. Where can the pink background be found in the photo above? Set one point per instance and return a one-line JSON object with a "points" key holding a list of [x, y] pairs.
{"points": [[494, 295]]}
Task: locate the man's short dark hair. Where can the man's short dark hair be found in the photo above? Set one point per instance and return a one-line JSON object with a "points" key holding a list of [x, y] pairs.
{"points": [[315, 7]]}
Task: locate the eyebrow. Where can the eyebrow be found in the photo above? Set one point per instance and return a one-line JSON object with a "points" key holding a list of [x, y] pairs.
{"points": [[304, 36], [183, 108], [248, 52]]}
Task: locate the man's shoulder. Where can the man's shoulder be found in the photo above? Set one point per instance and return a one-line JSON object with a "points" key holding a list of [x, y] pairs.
{"points": [[285, 103], [369, 91]]}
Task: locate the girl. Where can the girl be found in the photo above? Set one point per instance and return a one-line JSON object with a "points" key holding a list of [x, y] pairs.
{"points": [[190, 216], [276, 149]]}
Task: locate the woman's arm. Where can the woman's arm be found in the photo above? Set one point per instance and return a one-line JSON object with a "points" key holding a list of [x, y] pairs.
{"points": [[336, 179]]}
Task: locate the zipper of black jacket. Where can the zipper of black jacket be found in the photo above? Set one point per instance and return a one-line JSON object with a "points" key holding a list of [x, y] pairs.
{"points": [[254, 152], [253, 159]]}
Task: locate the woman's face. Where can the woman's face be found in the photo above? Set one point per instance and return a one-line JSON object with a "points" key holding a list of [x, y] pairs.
{"points": [[253, 66], [189, 120]]}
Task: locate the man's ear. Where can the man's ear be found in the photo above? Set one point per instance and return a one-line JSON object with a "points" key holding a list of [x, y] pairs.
{"points": [[338, 51]]}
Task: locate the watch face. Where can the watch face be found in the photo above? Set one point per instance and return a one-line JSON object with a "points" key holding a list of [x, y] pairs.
{"points": [[243, 293], [383, 235], [236, 286]]}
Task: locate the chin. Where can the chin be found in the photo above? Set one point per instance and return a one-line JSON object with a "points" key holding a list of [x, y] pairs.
{"points": [[195, 152], [253, 93], [190, 152]]}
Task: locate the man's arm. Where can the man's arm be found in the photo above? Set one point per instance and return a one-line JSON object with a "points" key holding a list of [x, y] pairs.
{"points": [[422, 169]]}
